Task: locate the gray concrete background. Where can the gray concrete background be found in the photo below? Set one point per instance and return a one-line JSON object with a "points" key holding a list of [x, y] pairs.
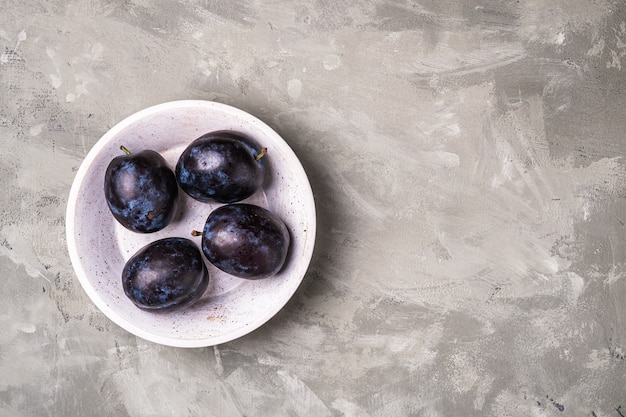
{"points": [[467, 159]]}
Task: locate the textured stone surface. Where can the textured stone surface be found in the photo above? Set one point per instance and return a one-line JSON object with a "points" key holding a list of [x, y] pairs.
{"points": [[467, 163]]}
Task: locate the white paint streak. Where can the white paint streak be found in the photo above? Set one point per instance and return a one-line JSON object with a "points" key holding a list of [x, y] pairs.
{"points": [[559, 39], [615, 61], [331, 62], [348, 409], [205, 67], [37, 129], [613, 276], [55, 80], [443, 159], [597, 360], [597, 48], [219, 367], [304, 400], [28, 328], [294, 88], [454, 129], [21, 252], [577, 285], [464, 371]]}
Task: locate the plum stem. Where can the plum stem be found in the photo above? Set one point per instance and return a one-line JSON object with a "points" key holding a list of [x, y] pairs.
{"points": [[125, 150], [196, 233], [261, 154]]}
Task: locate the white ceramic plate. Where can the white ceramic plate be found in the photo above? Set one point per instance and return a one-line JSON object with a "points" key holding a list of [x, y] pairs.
{"points": [[99, 247]]}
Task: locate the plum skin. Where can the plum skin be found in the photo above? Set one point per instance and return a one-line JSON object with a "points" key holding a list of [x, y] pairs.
{"points": [[221, 167], [165, 275], [141, 191], [245, 240]]}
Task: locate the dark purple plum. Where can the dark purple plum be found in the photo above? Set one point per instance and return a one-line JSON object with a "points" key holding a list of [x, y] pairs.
{"points": [[165, 275], [245, 240], [221, 166], [141, 191]]}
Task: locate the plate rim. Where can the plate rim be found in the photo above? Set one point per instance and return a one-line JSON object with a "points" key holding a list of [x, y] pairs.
{"points": [[71, 216]]}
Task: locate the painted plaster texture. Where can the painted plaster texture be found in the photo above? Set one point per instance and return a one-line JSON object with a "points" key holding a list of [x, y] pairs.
{"points": [[467, 160]]}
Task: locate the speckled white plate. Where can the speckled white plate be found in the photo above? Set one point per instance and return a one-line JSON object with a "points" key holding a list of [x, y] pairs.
{"points": [[99, 247]]}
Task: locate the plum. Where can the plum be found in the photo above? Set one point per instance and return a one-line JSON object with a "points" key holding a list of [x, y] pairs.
{"points": [[245, 240], [165, 275], [221, 166], [141, 191]]}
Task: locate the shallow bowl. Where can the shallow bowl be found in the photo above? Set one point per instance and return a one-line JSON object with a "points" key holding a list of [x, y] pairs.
{"points": [[99, 246]]}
